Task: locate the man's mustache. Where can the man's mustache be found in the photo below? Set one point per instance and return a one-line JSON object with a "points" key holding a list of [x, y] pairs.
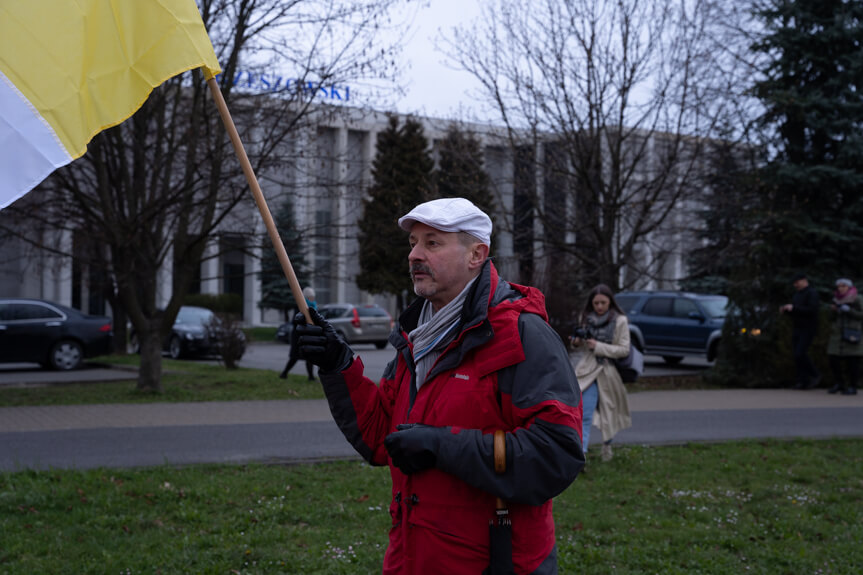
{"points": [[421, 269]]}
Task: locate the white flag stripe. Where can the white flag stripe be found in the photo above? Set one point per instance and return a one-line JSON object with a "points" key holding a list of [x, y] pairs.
{"points": [[29, 148]]}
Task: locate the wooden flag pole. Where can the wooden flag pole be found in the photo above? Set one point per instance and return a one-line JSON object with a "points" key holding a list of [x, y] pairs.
{"points": [[259, 198]]}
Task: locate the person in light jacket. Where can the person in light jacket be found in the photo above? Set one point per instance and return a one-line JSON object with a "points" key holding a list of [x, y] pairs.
{"points": [[847, 314], [602, 335]]}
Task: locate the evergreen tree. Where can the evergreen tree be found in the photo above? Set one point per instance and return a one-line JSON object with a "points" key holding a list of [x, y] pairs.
{"points": [[731, 195], [808, 213], [401, 179], [461, 171], [811, 93], [275, 289]]}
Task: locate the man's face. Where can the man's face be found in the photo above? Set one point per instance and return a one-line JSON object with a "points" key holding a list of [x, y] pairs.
{"points": [[441, 265], [800, 284]]}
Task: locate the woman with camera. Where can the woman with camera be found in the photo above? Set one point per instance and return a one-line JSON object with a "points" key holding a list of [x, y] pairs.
{"points": [[602, 335]]}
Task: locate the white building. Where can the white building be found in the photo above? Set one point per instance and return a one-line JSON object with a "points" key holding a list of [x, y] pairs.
{"points": [[327, 182]]}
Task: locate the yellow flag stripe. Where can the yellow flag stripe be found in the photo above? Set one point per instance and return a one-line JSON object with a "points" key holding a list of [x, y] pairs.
{"points": [[87, 65]]}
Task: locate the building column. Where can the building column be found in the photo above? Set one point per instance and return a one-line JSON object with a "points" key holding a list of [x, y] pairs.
{"points": [[165, 280], [540, 265], [340, 170], [57, 272], [210, 272], [252, 313]]}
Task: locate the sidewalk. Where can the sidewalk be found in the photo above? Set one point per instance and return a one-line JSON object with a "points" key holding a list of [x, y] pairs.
{"points": [[53, 418]]}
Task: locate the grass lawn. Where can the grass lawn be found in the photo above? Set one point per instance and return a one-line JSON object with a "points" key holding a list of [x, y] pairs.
{"points": [[181, 381], [260, 333], [772, 507], [768, 507], [196, 381]]}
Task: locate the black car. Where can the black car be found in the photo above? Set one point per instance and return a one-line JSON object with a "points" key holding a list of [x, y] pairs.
{"points": [[53, 335], [196, 332], [675, 324]]}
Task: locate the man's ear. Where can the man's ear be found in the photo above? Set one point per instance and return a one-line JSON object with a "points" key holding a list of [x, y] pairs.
{"points": [[478, 255]]}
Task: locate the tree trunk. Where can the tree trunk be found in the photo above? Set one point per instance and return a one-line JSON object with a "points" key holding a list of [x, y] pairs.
{"points": [[150, 373], [121, 334]]}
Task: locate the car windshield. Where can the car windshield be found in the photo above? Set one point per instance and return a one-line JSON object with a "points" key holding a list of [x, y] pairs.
{"points": [[372, 311], [332, 312], [716, 307], [194, 315]]}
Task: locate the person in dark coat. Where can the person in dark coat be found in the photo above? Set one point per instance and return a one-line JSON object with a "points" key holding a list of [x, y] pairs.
{"points": [[294, 357], [803, 310]]}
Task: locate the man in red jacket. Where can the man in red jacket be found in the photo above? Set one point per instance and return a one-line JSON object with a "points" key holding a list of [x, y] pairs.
{"points": [[475, 354]]}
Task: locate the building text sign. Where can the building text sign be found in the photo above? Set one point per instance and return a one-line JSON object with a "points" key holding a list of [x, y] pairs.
{"points": [[271, 82]]}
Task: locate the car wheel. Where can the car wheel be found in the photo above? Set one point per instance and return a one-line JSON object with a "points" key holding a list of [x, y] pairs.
{"points": [[135, 343], [66, 355], [672, 359], [175, 347], [380, 344]]}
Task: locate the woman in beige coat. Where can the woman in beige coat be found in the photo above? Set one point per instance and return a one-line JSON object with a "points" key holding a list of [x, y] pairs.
{"points": [[603, 335]]}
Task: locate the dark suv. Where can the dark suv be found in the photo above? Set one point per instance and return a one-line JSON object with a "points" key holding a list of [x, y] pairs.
{"points": [[674, 324]]}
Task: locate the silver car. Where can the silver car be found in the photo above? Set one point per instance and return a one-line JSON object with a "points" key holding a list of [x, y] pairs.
{"points": [[368, 323]]}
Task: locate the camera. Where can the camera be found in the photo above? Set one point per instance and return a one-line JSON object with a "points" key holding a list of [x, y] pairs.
{"points": [[581, 333]]}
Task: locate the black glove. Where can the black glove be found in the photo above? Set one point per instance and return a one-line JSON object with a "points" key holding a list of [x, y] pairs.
{"points": [[320, 344], [414, 446]]}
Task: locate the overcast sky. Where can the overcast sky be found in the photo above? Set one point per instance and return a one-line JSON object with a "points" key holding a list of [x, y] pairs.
{"points": [[433, 89]]}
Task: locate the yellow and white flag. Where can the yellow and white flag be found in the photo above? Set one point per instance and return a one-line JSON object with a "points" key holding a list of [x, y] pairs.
{"points": [[72, 68]]}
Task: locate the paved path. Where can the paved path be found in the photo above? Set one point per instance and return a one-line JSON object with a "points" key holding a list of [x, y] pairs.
{"points": [[54, 418], [127, 435]]}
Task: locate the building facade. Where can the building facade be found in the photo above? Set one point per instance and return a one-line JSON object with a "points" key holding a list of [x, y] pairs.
{"points": [[325, 173]]}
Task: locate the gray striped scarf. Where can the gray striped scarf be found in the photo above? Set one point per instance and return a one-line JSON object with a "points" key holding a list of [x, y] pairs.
{"points": [[435, 331]]}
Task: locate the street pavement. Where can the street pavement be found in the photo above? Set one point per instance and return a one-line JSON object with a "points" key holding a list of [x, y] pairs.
{"points": [[270, 356], [291, 431]]}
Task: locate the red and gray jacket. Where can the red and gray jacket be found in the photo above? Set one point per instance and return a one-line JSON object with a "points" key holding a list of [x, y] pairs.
{"points": [[507, 369]]}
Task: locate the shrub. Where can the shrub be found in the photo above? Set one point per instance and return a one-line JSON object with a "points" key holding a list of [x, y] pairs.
{"points": [[763, 360], [232, 340]]}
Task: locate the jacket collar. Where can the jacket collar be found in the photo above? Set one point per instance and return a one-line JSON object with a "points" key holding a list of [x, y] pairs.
{"points": [[475, 309]]}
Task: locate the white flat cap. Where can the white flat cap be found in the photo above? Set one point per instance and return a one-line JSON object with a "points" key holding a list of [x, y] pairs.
{"points": [[450, 215]]}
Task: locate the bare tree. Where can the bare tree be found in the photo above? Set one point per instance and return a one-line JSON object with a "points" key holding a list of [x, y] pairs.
{"points": [[151, 193], [611, 102]]}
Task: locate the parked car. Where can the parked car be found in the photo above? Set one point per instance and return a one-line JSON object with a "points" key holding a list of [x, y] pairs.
{"points": [[675, 324], [195, 333], [368, 323], [53, 335]]}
